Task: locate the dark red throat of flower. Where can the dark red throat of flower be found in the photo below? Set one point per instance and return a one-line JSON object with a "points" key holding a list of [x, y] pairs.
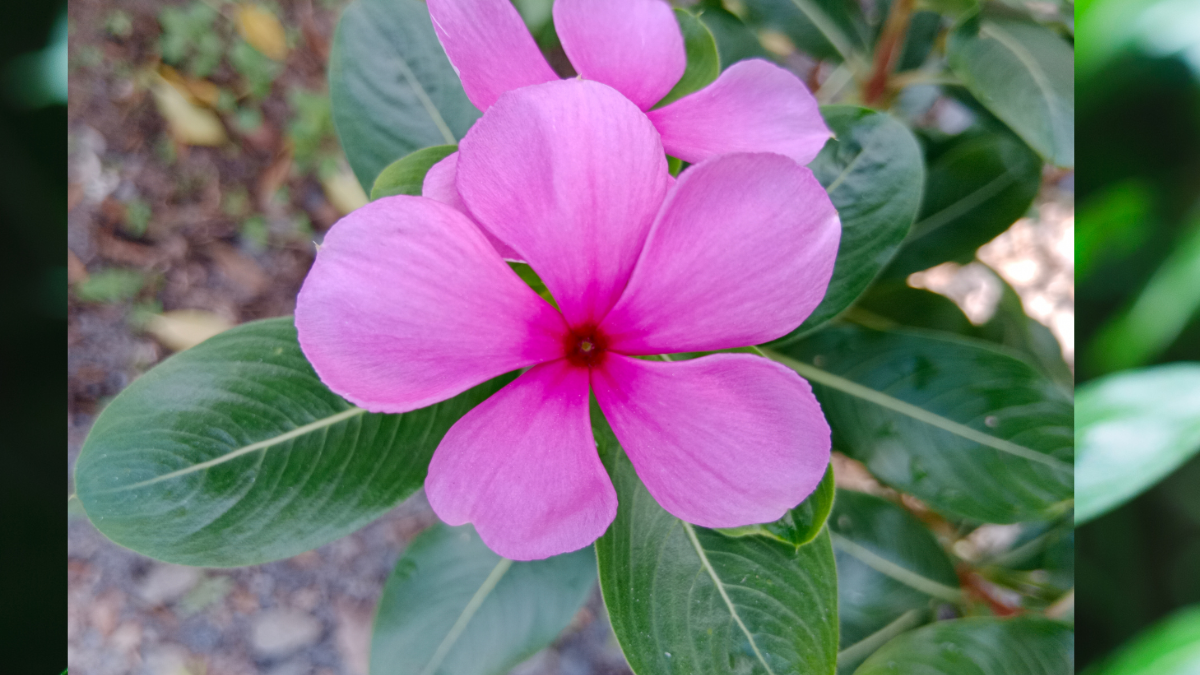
{"points": [[585, 346]]}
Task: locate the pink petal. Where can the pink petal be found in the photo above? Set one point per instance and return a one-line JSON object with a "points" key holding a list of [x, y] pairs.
{"points": [[740, 254], [489, 46], [633, 46], [407, 304], [523, 467], [721, 441], [570, 174], [439, 185], [754, 106]]}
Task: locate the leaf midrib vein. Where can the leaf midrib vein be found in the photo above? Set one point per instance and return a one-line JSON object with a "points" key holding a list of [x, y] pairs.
{"points": [[460, 624]]}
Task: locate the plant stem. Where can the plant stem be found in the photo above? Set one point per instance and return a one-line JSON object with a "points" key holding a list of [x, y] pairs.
{"points": [[887, 49]]}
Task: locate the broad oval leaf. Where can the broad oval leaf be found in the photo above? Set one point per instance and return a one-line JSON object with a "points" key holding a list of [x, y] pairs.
{"points": [[979, 646], [873, 172], [1169, 648], [891, 574], [684, 599], [969, 428], [454, 607], [406, 176], [393, 89], [1133, 429], [703, 64], [974, 191], [1025, 75], [799, 525], [234, 453]]}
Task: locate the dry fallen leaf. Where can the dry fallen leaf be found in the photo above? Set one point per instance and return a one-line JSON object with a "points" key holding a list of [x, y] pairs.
{"points": [[343, 191], [189, 124], [262, 30], [198, 91], [180, 329]]}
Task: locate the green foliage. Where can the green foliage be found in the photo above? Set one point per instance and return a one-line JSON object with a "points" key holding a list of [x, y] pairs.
{"points": [[979, 646], [874, 174], [247, 457], [686, 599], [1156, 411], [137, 217], [189, 39], [453, 606], [393, 88], [800, 525], [258, 71], [111, 285], [406, 175], [1170, 648], [703, 64], [311, 128]]}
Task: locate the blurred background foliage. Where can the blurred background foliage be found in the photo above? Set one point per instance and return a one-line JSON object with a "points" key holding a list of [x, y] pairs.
{"points": [[1138, 272]]}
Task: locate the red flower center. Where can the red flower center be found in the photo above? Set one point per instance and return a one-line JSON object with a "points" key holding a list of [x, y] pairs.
{"points": [[585, 346]]}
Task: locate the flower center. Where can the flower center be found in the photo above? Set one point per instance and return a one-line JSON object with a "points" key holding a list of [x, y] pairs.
{"points": [[585, 346]]}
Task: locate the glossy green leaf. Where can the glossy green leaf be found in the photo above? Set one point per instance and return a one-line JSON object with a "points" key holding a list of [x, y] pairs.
{"points": [[703, 64], [873, 172], [406, 175], [735, 41], [800, 525], [1025, 75], [979, 646], [1169, 648], [890, 303], [1012, 327], [393, 89], [891, 574], [684, 599], [452, 606], [824, 29], [967, 427], [974, 190], [234, 453], [1133, 429]]}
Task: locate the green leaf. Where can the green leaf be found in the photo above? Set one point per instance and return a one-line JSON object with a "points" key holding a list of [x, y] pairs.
{"points": [[735, 41], [1012, 327], [234, 453], [684, 599], [966, 427], [800, 525], [891, 573], [824, 29], [978, 187], [873, 172], [1170, 648], [110, 285], [1133, 429], [979, 646], [1024, 74], [703, 64], [406, 175], [452, 606], [393, 89]]}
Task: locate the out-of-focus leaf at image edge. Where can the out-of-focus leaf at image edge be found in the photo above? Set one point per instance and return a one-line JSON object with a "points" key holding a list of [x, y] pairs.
{"points": [[1170, 648]]}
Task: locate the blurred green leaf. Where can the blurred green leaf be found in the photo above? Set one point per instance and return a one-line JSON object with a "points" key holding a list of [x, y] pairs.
{"points": [[824, 29], [1162, 310], [451, 605], [406, 175], [801, 524], [735, 41], [1170, 648], [703, 64], [234, 453], [966, 427], [394, 91], [685, 599], [891, 573], [1111, 224], [1024, 74], [1133, 429], [974, 190], [979, 646], [1012, 327], [110, 285], [873, 172]]}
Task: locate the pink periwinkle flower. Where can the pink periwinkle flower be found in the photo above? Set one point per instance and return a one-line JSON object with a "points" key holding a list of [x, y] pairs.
{"points": [[635, 47], [408, 304]]}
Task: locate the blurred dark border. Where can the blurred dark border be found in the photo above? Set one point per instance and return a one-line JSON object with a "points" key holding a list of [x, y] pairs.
{"points": [[33, 281]]}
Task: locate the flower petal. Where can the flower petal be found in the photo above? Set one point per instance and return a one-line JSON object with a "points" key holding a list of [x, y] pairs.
{"points": [[570, 174], [523, 467], [754, 106], [489, 46], [740, 254], [633, 46], [721, 441], [439, 185], [407, 304]]}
